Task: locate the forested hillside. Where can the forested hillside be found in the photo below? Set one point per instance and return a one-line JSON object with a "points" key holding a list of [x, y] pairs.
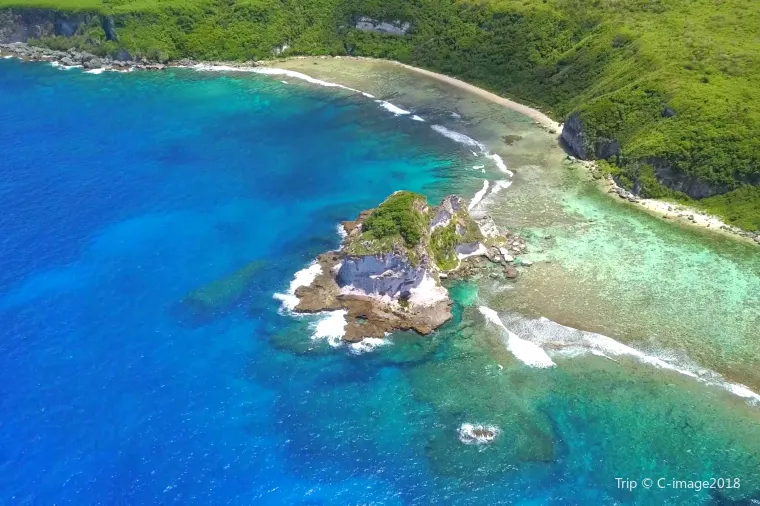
{"points": [[674, 83]]}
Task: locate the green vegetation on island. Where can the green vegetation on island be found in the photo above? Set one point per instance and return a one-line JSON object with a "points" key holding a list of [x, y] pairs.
{"points": [[405, 223], [675, 83], [404, 213]]}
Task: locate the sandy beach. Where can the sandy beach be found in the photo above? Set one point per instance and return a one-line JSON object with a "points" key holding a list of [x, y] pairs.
{"points": [[667, 210], [534, 114]]}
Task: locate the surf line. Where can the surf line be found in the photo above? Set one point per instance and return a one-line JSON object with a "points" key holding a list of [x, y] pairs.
{"points": [[275, 71], [570, 342], [395, 110], [392, 108], [527, 352]]}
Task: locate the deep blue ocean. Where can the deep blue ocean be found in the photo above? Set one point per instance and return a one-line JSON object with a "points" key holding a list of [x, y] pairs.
{"points": [[121, 193], [147, 219]]}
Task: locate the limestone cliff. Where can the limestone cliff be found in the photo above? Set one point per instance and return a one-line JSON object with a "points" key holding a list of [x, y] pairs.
{"points": [[21, 24], [387, 274], [586, 146], [581, 143], [395, 27]]}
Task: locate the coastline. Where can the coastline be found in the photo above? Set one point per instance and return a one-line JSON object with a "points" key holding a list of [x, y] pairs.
{"points": [[678, 212], [474, 406], [683, 214], [537, 116]]}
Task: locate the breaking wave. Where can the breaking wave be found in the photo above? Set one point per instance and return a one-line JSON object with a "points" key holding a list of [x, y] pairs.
{"points": [[398, 111], [527, 352], [457, 137], [478, 196], [304, 277], [331, 326], [570, 342], [477, 434]]}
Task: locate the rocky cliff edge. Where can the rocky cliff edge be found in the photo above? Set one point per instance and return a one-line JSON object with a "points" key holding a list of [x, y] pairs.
{"points": [[387, 274]]}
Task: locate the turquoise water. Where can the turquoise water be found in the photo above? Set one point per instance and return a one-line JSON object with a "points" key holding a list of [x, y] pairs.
{"points": [[147, 220]]}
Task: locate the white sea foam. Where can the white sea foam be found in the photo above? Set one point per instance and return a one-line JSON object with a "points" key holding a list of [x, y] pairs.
{"points": [[527, 352], [367, 94], [474, 154], [469, 141], [341, 231], [284, 82], [331, 326], [304, 277], [368, 344], [500, 164], [499, 185], [478, 196], [477, 434], [7, 57], [457, 137], [273, 71], [398, 111], [60, 66], [743, 391], [455, 115], [574, 342], [417, 118], [478, 167], [95, 71]]}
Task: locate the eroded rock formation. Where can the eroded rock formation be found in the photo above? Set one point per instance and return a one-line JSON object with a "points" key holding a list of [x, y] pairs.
{"points": [[387, 274]]}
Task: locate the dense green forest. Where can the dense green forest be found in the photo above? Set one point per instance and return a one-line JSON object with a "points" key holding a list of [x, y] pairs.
{"points": [[675, 82]]}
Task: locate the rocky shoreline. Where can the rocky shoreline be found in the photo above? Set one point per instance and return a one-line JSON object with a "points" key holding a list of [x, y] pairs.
{"points": [[76, 58], [665, 210], [387, 275]]}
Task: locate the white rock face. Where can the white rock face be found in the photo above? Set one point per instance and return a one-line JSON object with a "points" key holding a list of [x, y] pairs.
{"points": [[375, 25], [505, 253]]}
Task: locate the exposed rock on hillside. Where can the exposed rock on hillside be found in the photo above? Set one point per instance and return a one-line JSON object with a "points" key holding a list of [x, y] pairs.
{"points": [[20, 25], [388, 28], [580, 144]]}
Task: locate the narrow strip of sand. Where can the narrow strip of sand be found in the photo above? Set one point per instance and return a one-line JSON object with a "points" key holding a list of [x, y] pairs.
{"points": [[532, 113], [676, 211]]}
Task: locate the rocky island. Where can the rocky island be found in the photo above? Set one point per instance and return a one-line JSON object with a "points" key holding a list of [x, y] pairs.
{"points": [[387, 273]]}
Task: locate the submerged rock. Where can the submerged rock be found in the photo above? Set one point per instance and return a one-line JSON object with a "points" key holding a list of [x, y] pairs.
{"points": [[223, 292], [477, 434]]}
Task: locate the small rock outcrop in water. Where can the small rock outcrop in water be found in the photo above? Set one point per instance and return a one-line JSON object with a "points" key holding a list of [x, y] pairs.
{"points": [[477, 434], [387, 274]]}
